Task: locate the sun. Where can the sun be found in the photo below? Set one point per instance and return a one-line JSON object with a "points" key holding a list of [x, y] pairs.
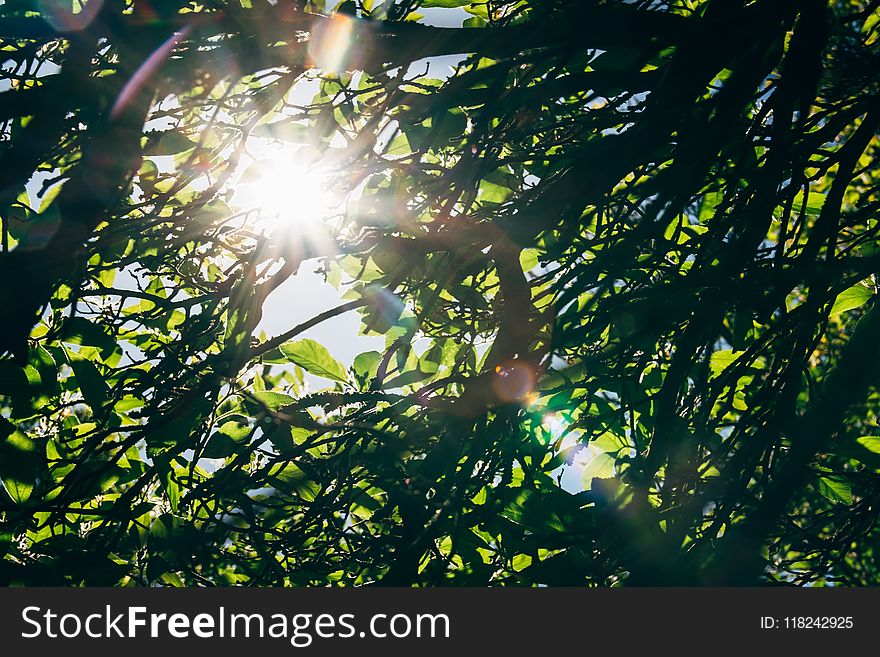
{"points": [[287, 191]]}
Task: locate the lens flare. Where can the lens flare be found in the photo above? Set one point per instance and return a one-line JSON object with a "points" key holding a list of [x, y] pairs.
{"points": [[331, 43], [513, 381], [144, 74]]}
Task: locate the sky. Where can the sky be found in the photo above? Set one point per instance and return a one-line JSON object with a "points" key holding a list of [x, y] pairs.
{"points": [[305, 295]]}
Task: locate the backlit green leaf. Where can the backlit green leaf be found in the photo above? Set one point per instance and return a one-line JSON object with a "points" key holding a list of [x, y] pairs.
{"points": [[314, 358]]}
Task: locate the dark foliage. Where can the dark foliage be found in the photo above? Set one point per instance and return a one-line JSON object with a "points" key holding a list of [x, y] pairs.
{"points": [[629, 245]]}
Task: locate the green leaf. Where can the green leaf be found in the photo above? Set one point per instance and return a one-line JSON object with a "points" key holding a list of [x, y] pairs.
{"points": [[491, 192], [521, 562], [870, 443], [478, 9], [365, 366], [550, 511], [168, 482], [20, 462], [399, 146], [284, 437], [273, 400], [314, 358], [81, 331], [854, 297], [528, 259], [177, 427], [865, 450], [226, 440], [475, 21], [90, 380], [601, 466], [710, 201], [290, 478], [721, 360], [148, 174], [815, 201], [835, 489], [169, 143]]}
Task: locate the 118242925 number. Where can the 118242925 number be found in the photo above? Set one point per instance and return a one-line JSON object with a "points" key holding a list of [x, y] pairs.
{"points": [[817, 622]]}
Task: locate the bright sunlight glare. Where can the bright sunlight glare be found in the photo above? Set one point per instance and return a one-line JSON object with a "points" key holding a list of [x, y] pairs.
{"points": [[288, 191]]}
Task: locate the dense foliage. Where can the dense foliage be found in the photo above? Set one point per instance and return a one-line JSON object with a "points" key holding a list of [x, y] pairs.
{"points": [[630, 245]]}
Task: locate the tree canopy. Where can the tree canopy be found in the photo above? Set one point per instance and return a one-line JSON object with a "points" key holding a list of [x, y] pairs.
{"points": [[622, 255]]}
